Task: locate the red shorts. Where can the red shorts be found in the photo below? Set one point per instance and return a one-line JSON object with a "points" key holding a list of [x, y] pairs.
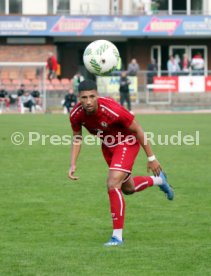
{"points": [[121, 157]]}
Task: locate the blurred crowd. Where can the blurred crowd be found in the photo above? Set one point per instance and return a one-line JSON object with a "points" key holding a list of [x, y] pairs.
{"points": [[24, 98]]}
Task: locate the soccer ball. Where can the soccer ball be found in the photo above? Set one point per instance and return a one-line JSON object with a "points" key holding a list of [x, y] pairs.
{"points": [[101, 57]]}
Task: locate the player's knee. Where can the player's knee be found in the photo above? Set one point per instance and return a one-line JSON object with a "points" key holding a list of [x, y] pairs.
{"points": [[113, 183]]}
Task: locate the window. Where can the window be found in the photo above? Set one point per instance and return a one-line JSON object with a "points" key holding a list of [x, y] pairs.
{"points": [[2, 7], [114, 6], [50, 6], [161, 5], [15, 6], [63, 5], [179, 7], [138, 6], [196, 7]]}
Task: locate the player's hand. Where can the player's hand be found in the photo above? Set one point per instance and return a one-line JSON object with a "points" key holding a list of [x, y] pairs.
{"points": [[155, 167], [71, 172]]}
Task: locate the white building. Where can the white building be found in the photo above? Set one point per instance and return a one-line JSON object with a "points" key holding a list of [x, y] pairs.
{"points": [[105, 7]]}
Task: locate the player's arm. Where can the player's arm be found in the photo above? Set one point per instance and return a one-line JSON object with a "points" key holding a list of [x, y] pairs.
{"points": [[75, 150], [153, 165]]}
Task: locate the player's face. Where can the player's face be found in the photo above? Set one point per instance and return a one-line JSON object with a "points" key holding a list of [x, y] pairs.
{"points": [[88, 100]]}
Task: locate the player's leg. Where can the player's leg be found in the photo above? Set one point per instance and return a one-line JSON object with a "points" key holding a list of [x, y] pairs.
{"points": [[116, 199], [127, 154], [117, 182], [120, 163], [139, 183], [117, 205], [136, 184]]}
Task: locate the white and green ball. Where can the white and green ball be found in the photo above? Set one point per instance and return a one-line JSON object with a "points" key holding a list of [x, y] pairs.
{"points": [[101, 57]]}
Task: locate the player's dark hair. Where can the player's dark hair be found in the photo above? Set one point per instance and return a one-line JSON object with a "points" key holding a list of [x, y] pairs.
{"points": [[87, 85]]}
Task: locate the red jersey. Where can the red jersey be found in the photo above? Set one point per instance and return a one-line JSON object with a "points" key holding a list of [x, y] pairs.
{"points": [[52, 63], [110, 122]]}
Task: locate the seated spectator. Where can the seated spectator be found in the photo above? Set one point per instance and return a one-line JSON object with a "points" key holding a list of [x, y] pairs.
{"points": [[21, 90], [26, 100], [76, 80], [36, 95], [70, 100], [133, 68], [197, 64], [4, 97], [173, 66], [185, 65], [13, 98]]}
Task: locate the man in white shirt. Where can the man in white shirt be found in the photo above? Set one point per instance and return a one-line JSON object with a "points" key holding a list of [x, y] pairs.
{"points": [[27, 101]]}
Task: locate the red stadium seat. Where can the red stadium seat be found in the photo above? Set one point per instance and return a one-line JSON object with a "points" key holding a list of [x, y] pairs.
{"points": [[65, 81], [55, 81], [26, 82], [16, 82], [6, 81]]}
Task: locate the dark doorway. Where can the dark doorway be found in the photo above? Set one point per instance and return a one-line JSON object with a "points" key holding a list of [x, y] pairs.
{"points": [[179, 7], [164, 60]]}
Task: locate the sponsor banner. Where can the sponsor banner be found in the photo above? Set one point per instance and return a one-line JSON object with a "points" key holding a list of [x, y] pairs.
{"points": [[70, 25], [208, 84], [181, 84], [191, 84], [164, 84], [109, 86], [159, 25], [134, 26]]}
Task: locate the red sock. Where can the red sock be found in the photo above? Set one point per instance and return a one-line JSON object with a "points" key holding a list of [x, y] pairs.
{"points": [[117, 206], [142, 182]]}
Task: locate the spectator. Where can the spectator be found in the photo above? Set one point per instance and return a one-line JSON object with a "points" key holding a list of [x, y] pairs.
{"points": [[178, 60], [133, 68], [36, 95], [51, 66], [173, 66], [26, 100], [21, 90], [197, 64], [185, 65], [76, 80], [4, 97], [124, 83], [152, 70], [70, 100]]}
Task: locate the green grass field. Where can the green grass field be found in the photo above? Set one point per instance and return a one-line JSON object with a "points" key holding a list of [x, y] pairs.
{"points": [[53, 226]]}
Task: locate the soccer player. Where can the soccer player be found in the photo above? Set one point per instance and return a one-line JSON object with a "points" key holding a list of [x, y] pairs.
{"points": [[121, 138]]}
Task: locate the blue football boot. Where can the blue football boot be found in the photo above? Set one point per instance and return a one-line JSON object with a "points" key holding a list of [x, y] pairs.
{"points": [[114, 241], [165, 187]]}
